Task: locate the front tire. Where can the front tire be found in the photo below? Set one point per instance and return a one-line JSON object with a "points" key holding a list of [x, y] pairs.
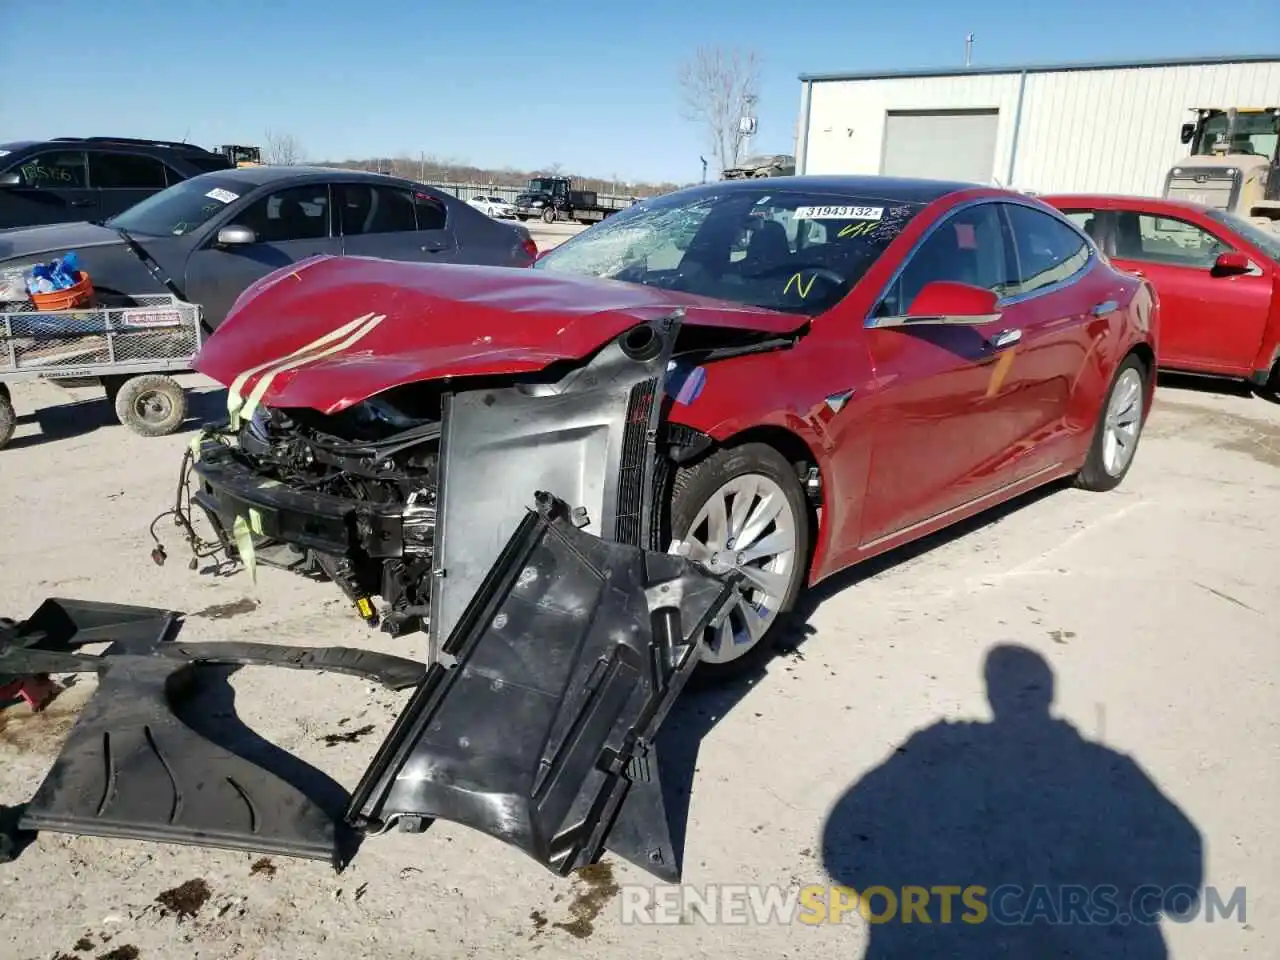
{"points": [[743, 509], [1118, 430]]}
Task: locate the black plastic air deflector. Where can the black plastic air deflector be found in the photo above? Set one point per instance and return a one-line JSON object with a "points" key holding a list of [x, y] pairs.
{"points": [[131, 768], [568, 659]]}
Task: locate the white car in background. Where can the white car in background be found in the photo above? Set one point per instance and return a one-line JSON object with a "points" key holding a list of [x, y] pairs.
{"points": [[494, 207]]}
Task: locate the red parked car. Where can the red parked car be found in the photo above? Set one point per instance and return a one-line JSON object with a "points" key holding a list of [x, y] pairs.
{"points": [[779, 378], [1217, 277]]}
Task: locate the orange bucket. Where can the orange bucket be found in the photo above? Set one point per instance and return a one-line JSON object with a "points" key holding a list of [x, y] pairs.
{"points": [[80, 295]]}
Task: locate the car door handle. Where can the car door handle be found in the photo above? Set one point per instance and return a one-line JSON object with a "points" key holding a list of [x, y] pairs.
{"points": [[432, 247], [1005, 338], [84, 203], [1105, 307]]}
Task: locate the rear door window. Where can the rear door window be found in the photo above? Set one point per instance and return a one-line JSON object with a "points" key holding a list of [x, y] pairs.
{"points": [[431, 213], [108, 171], [1086, 220], [1049, 251], [369, 209]]}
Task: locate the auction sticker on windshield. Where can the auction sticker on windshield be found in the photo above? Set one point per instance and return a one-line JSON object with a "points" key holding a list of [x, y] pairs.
{"points": [[225, 196], [839, 213]]}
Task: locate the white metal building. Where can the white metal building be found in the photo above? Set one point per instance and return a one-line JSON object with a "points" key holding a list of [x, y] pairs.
{"points": [[1106, 127]]}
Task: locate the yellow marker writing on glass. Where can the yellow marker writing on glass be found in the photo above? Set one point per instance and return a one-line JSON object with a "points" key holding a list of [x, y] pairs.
{"points": [[802, 288], [857, 229]]}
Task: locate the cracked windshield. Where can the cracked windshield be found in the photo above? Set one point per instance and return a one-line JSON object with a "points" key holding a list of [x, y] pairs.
{"points": [[786, 250]]}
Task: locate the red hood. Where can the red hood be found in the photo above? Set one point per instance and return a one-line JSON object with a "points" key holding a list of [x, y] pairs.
{"points": [[358, 326]]}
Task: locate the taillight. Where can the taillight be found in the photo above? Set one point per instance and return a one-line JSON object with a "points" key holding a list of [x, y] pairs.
{"points": [[530, 248]]}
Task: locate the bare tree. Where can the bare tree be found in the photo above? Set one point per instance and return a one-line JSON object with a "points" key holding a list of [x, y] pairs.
{"points": [[283, 149], [717, 87]]}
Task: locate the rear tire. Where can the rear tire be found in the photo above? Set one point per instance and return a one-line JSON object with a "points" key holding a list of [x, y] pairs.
{"points": [[1118, 430], [1271, 389], [8, 417], [743, 508], [151, 405]]}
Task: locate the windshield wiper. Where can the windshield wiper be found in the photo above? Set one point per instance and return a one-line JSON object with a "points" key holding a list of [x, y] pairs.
{"points": [[153, 268]]}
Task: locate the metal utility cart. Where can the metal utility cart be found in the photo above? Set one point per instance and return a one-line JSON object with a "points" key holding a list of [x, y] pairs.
{"points": [[129, 350]]}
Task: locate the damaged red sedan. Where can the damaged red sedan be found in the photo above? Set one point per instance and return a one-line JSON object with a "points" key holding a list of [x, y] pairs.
{"points": [[778, 378]]}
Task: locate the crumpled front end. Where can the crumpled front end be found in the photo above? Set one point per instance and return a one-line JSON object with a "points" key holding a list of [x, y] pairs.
{"points": [[408, 496]]}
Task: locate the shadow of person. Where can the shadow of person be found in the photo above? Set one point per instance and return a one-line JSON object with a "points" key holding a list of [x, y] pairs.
{"points": [[1018, 838]]}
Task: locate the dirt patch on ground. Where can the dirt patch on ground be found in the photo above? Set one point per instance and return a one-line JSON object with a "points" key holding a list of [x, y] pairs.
{"points": [[225, 611], [1258, 439], [263, 867], [186, 899], [349, 736], [593, 888], [41, 732]]}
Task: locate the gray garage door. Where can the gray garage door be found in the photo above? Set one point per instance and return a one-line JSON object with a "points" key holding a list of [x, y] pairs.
{"points": [[941, 144]]}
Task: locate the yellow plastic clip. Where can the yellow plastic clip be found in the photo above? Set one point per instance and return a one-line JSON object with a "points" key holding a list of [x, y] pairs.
{"points": [[241, 532]]}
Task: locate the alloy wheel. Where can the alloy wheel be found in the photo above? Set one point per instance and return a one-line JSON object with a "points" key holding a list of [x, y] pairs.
{"points": [[748, 526], [1123, 422]]}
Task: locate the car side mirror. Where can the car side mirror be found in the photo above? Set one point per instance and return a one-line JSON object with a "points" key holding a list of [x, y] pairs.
{"points": [[1188, 131], [235, 236], [945, 303], [1232, 263], [10, 179]]}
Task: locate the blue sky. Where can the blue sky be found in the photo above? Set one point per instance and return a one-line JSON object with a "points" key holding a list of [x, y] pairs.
{"points": [[523, 84]]}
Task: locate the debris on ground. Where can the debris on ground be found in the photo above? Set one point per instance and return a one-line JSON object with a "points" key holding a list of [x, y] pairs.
{"points": [[186, 899], [263, 866], [349, 736], [224, 611], [593, 887]]}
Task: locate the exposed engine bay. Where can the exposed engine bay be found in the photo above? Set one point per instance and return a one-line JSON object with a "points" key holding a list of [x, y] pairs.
{"points": [[408, 496], [382, 454]]}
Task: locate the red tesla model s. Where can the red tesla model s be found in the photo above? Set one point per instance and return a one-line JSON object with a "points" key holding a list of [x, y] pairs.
{"points": [[778, 378]]}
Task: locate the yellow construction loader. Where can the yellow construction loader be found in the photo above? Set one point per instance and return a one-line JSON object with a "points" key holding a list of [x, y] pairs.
{"points": [[1233, 163]]}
